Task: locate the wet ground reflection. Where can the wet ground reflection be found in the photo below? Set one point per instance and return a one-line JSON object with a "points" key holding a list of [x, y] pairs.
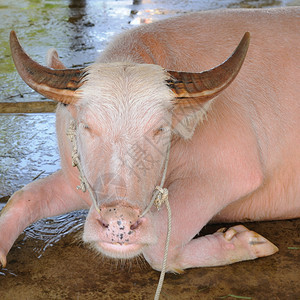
{"points": [[28, 149], [49, 231]]}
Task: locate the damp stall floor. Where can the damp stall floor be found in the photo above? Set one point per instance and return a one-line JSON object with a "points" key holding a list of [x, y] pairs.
{"points": [[55, 264]]}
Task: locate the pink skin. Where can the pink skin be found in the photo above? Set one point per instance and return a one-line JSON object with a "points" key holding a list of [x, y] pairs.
{"points": [[241, 164], [144, 233]]}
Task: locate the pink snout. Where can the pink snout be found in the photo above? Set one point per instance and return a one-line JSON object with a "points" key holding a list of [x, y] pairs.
{"points": [[117, 231], [119, 223]]}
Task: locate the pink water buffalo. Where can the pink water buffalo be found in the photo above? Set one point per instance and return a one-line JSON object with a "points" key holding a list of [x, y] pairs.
{"points": [[233, 133]]}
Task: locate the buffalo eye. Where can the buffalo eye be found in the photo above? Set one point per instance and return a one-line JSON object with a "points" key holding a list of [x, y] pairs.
{"points": [[85, 126], [158, 131]]}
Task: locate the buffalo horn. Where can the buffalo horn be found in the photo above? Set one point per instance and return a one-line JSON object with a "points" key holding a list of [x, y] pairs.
{"points": [[59, 85], [208, 84]]}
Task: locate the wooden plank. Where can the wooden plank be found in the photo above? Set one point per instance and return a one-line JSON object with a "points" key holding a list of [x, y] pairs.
{"points": [[27, 107]]}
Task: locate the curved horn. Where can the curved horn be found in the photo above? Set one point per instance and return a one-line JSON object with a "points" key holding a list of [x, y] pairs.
{"points": [[209, 84], [59, 85]]}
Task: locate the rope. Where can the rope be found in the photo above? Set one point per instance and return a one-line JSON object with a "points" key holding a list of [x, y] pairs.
{"points": [[164, 266], [84, 185], [160, 196]]}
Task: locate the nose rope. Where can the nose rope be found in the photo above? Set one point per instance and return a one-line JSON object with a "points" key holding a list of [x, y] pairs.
{"points": [[159, 197], [84, 185], [160, 194]]}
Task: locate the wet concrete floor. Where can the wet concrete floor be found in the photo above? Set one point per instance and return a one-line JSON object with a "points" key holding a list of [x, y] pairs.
{"points": [[48, 261], [68, 270]]}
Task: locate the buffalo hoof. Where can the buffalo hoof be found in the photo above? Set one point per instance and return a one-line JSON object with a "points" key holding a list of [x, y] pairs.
{"points": [[257, 245]]}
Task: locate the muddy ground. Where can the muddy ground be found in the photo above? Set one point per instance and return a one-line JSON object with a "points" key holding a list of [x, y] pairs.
{"points": [[69, 270]]}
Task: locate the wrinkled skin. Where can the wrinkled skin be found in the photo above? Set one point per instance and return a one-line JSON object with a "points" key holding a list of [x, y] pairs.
{"points": [[241, 163]]}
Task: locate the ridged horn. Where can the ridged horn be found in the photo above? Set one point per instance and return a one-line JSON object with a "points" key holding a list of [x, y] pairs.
{"points": [[59, 85], [208, 84]]}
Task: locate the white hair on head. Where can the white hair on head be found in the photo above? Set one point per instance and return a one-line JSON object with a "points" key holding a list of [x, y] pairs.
{"points": [[126, 94]]}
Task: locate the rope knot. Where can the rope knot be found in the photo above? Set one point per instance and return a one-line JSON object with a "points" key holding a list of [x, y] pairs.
{"points": [[82, 185], [75, 158], [161, 197]]}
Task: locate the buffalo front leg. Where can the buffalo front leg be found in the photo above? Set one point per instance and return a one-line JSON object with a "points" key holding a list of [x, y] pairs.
{"points": [[46, 197], [188, 218], [222, 248]]}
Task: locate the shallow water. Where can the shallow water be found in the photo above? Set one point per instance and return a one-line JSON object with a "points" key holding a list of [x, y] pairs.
{"points": [[51, 230], [44, 264]]}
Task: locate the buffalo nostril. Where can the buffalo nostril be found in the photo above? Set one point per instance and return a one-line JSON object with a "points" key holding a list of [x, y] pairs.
{"points": [[135, 225], [103, 224]]}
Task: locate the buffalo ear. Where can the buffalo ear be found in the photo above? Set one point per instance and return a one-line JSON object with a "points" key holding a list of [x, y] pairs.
{"points": [[194, 91], [186, 117], [53, 61]]}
